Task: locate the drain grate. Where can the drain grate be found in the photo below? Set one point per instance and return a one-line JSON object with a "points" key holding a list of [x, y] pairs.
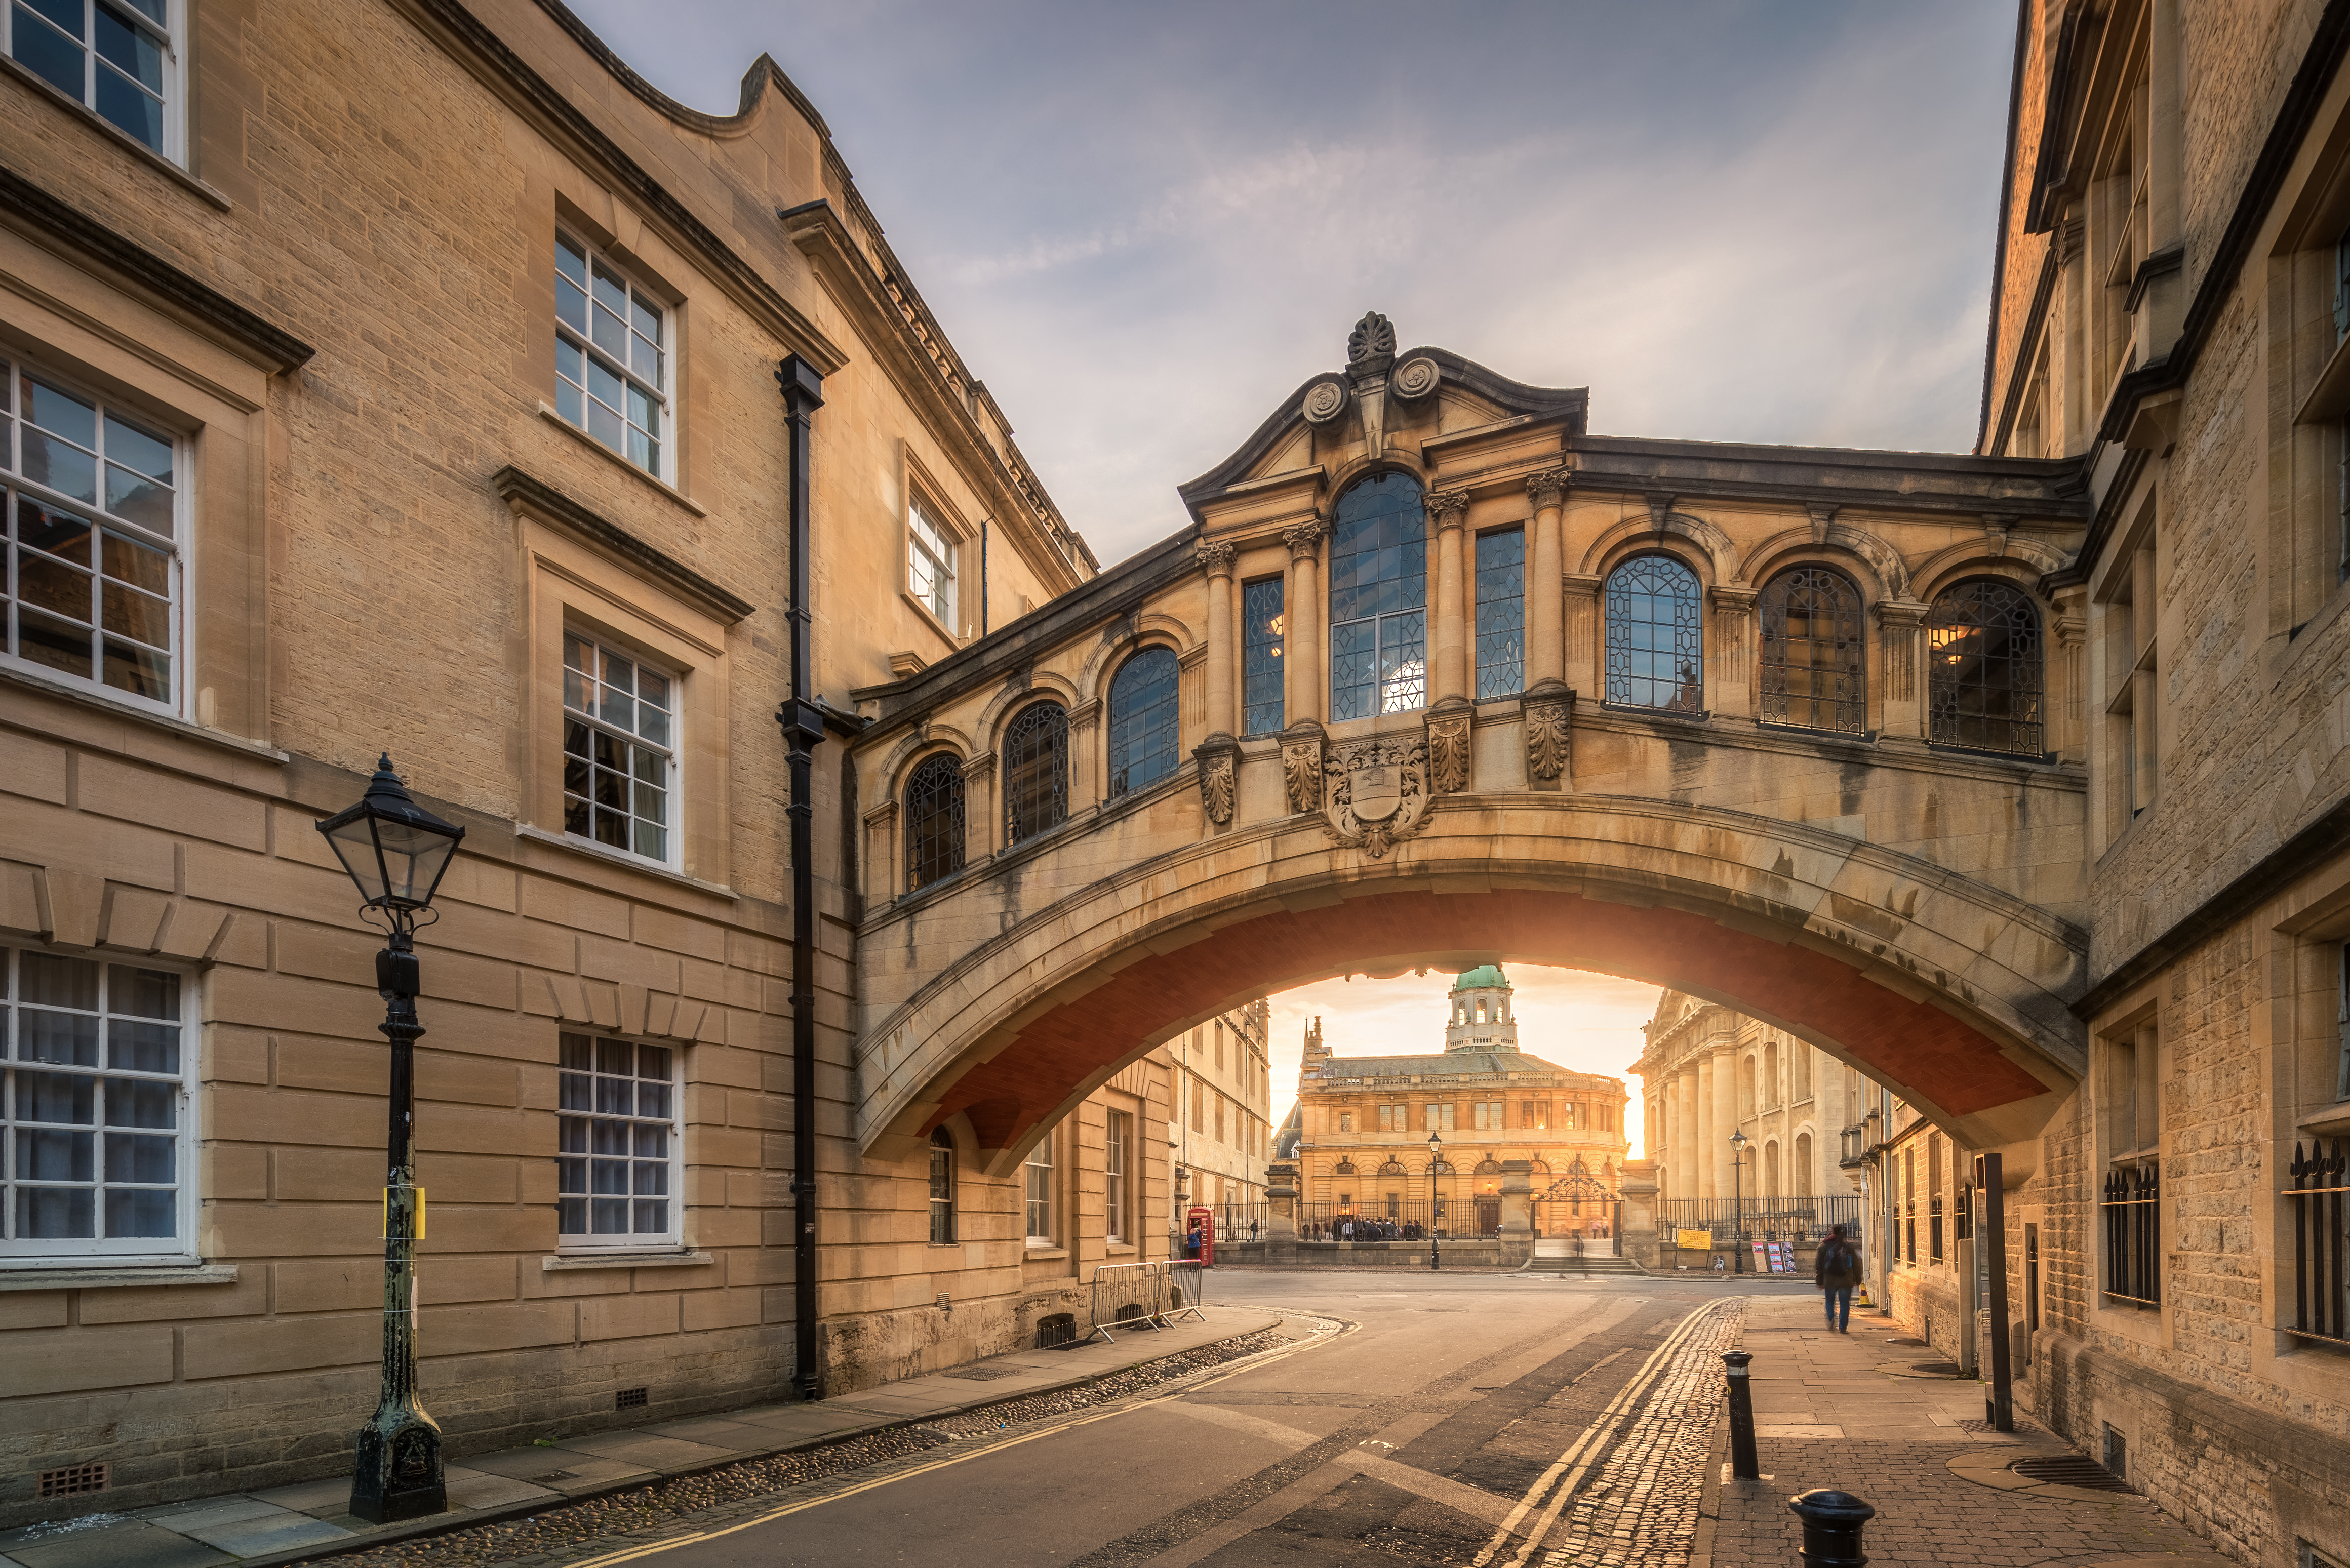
{"points": [[630, 1398], [73, 1481], [2071, 1470], [982, 1374]]}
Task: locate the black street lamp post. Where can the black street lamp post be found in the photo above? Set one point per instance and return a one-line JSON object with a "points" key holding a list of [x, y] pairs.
{"points": [[396, 852], [1435, 1164], [1738, 1199]]}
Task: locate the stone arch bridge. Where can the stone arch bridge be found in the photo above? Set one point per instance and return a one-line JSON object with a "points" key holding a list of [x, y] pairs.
{"points": [[1437, 678]]}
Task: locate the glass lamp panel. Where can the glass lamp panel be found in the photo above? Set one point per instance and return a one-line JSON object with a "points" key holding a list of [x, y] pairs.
{"points": [[354, 845]]}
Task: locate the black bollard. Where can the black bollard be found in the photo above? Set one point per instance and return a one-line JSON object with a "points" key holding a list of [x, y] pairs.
{"points": [[1832, 1526], [1743, 1465]]}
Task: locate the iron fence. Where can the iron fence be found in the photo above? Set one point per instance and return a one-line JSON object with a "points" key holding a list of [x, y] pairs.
{"points": [[1187, 1291], [1323, 1222], [1762, 1219], [1146, 1295], [2132, 1215], [2321, 1292]]}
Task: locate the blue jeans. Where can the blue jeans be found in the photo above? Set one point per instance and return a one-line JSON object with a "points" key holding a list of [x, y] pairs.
{"points": [[1840, 1306]]}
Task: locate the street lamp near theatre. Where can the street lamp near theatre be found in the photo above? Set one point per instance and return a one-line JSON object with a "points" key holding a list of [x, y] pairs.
{"points": [[1738, 1141], [396, 853], [1435, 1164]]}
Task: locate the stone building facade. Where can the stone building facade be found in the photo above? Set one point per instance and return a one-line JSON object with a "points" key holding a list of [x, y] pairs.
{"points": [[1220, 1135], [1364, 1125], [403, 376]]}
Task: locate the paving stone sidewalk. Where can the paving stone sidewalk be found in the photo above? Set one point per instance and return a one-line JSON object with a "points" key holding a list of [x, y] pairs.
{"points": [[1916, 1448], [310, 1519]]}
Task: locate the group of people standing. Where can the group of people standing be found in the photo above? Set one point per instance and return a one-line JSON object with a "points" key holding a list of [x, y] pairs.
{"points": [[1365, 1229]]}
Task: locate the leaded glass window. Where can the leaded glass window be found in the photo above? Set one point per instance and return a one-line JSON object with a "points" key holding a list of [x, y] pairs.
{"points": [[90, 572], [1501, 614], [934, 825], [1262, 697], [95, 1123], [618, 735], [1036, 771], [1145, 744], [1812, 652], [611, 356], [1379, 599], [618, 1143], [1984, 669], [1655, 636], [115, 56]]}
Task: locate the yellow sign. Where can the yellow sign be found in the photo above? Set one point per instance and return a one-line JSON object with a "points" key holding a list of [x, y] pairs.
{"points": [[419, 1213], [1694, 1241]]}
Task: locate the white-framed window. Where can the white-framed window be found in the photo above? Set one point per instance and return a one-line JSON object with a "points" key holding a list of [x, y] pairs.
{"points": [[617, 1172], [1118, 1146], [119, 59], [90, 584], [619, 749], [96, 1091], [611, 357], [930, 567], [1040, 1193], [943, 1189]]}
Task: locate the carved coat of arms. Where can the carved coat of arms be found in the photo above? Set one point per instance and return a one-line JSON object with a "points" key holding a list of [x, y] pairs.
{"points": [[1374, 792]]}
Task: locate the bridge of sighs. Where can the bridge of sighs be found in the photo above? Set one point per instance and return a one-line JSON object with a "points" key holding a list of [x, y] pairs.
{"points": [[1437, 678]]}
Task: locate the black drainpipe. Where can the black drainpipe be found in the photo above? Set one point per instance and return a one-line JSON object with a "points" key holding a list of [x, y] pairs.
{"points": [[802, 723], [982, 576]]}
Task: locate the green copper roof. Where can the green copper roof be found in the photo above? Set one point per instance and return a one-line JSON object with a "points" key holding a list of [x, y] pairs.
{"points": [[1484, 976]]}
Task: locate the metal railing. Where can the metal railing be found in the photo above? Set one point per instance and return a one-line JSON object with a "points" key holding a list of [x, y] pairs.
{"points": [[2321, 1292], [1146, 1295], [2132, 1215], [1321, 1221], [1762, 1219]]}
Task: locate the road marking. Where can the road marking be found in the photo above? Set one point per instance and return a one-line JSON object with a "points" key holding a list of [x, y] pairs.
{"points": [[1255, 1426], [1483, 1506]]}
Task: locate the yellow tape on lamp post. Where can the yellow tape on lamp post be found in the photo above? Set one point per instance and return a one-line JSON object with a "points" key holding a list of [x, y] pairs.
{"points": [[419, 1213]]}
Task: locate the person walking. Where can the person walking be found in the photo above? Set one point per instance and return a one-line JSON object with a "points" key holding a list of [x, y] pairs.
{"points": [[1835, 1269]]}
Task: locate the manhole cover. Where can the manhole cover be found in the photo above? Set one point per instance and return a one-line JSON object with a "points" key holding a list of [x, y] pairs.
{"points": [[981, 1374], [1940, 1368], [2071, 1470]]}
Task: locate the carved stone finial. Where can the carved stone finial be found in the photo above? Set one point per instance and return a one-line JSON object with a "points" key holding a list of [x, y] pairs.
{"points": [[1370, 348], [1548, 488], [1216, 559], [1447, 508], [1303, 539]]}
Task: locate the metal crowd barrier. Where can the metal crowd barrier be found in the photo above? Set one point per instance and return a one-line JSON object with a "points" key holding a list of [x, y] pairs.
{"points": [[1146, 1295]]}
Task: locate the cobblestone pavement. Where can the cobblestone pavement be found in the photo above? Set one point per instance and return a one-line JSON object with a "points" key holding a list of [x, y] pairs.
{"points": [[1827, 1414]]}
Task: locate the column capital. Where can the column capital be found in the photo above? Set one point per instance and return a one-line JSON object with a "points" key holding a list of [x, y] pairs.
{"points": [[1581, 585], [980, 766], [1085, 715], [1548, 488], [1448, 509], [1216, 557], [1733, 599], [1900, 615], [1303, 539]]}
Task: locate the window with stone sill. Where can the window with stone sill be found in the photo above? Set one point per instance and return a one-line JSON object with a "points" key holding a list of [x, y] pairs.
{"points": [[118, 58], [1043, 1230], [620, 750], [611, 357], [97, 1111], [930, 567], [90, 583], [616, 1171]]}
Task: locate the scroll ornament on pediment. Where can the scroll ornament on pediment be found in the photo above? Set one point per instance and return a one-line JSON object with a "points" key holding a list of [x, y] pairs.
{"points": [[1374, 792], [1548, 733], [1447, 753]]}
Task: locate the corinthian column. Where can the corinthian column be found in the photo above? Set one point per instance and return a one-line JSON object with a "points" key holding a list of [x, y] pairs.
{"points": [[1546, 631], [1302, 683], [1448, 511], [1217, 560]]}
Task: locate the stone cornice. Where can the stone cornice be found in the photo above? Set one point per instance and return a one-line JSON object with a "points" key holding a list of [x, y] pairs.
{"points": [[523, 493]]}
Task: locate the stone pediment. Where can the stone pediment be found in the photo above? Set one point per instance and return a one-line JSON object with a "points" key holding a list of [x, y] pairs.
{"points": [[1382, 402]]}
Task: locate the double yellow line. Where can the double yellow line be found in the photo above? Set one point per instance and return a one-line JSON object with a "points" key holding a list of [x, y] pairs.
{"points": [[1576, 1462]]}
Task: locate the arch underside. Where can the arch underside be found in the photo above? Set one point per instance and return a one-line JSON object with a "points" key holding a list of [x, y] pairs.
{"points": [[1987, 1084]]}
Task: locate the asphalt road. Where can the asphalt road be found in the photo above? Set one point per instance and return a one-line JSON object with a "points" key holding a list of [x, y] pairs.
{"points": [[1495, 1420]]}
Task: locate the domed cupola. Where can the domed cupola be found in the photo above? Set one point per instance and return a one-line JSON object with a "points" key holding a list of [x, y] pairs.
{"points": [[1482, 1017]]}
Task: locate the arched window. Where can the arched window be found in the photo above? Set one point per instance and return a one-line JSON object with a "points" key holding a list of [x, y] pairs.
{"points": [[1142, 721], [1812, 651], [1655, 636], [1983, 667], [943, 1189], [1379, 599], [934, 838], [1035, 772]]}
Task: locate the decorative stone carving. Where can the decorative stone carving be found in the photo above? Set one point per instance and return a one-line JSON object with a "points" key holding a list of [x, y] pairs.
{"points": [[1371, 346], [1414, 378], [1217, 558], [1547, 488], [1374, 792], [1447, 508], [1324, 401], [1548, 710], [1660, 508], [1218, 781], [1303, 539], [1823, 513], [1300, 769], [1996, 527], [1448, 752]]}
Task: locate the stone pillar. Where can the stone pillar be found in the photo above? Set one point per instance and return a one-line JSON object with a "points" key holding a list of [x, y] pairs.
{"points": [[2066, 734], [1545, 572], [1725, 1119], [884, 881], [1517, 1199], [1734, 651], [1638, 1236], [1448, 513], [1087, 756], [1901, 635], [1303, 689], [1281, 1201], [1698, 1156], [1585, 667], [983, 818], [1216, 559]]}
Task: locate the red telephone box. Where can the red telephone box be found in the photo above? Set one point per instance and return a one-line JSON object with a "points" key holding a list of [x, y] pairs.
{"points": [[1203, 1225]]}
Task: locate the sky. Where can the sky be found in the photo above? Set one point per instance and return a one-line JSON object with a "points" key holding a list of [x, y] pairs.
{"points": [[1144, 226]]}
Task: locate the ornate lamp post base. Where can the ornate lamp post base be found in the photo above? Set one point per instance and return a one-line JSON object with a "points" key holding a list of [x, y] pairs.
{"points": [[398, 1472]]}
